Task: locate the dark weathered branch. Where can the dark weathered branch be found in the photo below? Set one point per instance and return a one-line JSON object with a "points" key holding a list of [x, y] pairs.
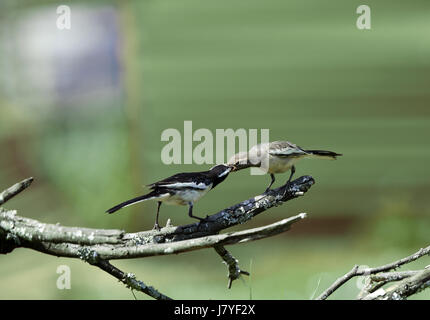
{"points": [[229, 217], [97, 246], [234, 271], [355, 271]]}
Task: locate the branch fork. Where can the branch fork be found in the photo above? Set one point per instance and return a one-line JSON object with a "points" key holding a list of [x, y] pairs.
{"points": [[406, 284]]}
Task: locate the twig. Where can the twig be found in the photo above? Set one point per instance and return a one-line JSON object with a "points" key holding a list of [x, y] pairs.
{"points": [[14, 190], [368, 271], [129, 279], [338, 283], [379, 280], [234, 271], [392, 276], [370, 287], [404, 288]]}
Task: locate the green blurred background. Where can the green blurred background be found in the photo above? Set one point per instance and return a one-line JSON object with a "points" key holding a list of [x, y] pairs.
{"points": [[82, 111]]}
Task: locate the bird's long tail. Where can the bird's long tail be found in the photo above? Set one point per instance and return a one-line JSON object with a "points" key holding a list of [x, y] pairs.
{"points": [[323, 154], [130, 202]]}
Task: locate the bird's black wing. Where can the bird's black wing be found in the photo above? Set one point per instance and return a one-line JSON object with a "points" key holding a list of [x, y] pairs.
{"points": [[194, 180]]}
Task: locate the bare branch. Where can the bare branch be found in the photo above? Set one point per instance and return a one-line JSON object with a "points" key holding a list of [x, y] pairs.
{"points": [[401, 290], [14, 190], [392, 276], [368, 271], [128, 246], [234, 271], [338, 283], [98, 246], [129, 279], [116, 244]]}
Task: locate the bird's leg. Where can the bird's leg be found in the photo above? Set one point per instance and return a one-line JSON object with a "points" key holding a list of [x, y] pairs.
{"points": [[190, 212], [271, 183], [156, 225], [293, 170]]}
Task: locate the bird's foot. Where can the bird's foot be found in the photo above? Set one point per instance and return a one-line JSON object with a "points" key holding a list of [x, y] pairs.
{"points": [[156, 227], [202, 220]]}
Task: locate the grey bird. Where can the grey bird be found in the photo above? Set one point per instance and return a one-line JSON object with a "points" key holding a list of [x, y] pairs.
{"points": [[276, 157]]}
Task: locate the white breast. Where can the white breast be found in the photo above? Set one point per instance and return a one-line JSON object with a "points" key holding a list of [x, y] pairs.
{"points": [[281, 165], [183, 197]]}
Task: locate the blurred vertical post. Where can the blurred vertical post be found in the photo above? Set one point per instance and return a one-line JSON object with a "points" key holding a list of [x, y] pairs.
{"points": [[133, 96]]}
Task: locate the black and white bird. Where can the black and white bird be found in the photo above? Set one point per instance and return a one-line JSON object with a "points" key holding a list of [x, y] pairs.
{"points": [[276, 157], [180, 189]]}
